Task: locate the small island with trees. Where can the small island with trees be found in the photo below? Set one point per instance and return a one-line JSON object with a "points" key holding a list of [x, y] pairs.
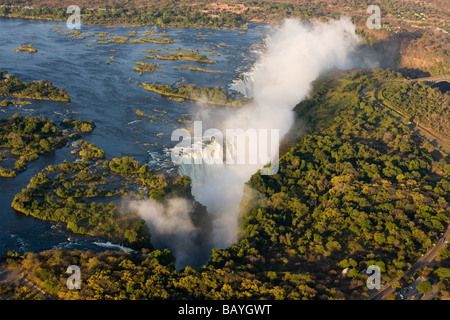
{"points": [[87, 196], [37, 90], [145, 67], [23, 139], [187, 56], [210, 95]]}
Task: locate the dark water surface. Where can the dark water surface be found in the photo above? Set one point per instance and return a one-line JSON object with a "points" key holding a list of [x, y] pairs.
{"points": [[108, 94]]}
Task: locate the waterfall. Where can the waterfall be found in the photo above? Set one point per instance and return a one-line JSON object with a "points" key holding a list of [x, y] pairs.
{"points": [[195, 159], [243, 86], [296, 54]]}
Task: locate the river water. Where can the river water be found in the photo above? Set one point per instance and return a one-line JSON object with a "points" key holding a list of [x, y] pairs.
{"points": [[108, 94]]}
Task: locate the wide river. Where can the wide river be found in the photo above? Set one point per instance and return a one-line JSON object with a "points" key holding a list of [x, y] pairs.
{"points": [[109, 94]]}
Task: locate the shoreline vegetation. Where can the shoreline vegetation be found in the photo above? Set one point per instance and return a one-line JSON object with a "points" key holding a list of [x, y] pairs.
{"points": [[23, 139], [60, 191], [10, 86], [84, 126], [214, 96], [118, 39]]}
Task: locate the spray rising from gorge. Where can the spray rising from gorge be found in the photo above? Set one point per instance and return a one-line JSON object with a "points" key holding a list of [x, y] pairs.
{"points": [[295, 55]]}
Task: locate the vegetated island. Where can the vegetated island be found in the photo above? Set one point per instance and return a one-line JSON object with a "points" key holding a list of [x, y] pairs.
{"points": [[7, 102], [193, 68], [23, 139], [145, 67], [118, 39], [210, 95], [85, 126], [37, 90], [88, 196], [157, 41], [29, 48], [187, 56]]}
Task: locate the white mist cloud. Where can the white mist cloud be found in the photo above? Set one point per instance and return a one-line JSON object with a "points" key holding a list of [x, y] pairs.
{"points": [[296, 54], [170, 226]]}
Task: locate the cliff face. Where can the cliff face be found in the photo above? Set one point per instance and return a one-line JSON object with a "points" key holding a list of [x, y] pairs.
{"points": [[416, 53], [428, 53]]}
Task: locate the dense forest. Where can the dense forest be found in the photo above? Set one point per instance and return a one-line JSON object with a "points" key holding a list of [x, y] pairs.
{"points": [[434, 109], [360, 190], [357, 188]]}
